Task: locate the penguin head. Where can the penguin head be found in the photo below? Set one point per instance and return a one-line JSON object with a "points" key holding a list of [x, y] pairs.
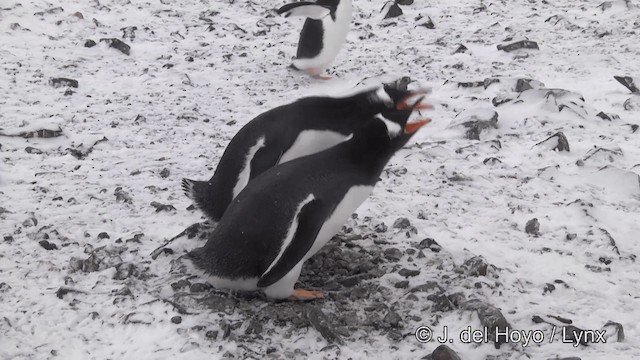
{"points": [[389, 130], [391, 96]]}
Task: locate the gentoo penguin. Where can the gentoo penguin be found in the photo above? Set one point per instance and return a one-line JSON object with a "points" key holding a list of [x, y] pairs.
{"points": [[323, 34], [289, 212], [303, 127]]}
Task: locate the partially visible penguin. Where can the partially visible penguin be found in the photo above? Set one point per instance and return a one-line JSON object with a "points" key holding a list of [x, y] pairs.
{"points": [[288, 213], [323, 34], [306, 126]]}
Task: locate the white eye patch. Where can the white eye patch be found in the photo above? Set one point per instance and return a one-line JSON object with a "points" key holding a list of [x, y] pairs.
{"points": [[382, 96], [393, 128]]}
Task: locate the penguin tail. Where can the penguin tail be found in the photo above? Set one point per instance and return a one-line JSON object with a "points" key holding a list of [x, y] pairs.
{"points": [[198, 191], [198, 258]]}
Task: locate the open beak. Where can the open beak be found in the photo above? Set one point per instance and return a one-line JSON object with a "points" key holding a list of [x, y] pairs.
{"points": [[405, 104], [412, 127]]}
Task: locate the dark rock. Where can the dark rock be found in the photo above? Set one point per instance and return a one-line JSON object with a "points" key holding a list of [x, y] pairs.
{"points": [[548, 288], [429, 286], [117, 44], [501, 99], [211, 334], [411, 231], [32, 150], [217, 303], [442, 352], [162, 207], [628, 82], [431, 244], [60, 82], [182, 283], [491, 161], [47, 245], [427, 23], [62, 291], [319, 321], [200, 287], [129, 32], [475, 266], [392, 10], [476, 122], [89, 43], [556, 142], [401, 284], [617, 329], [401, 223], [122, 195], [176, 319], [350, 281], [490, 317], [392, 319], [609, 117], [600, 153], [441, 302], [532, 227], [125, 270], [408, 273], [393, 254], [522, 44], [103, 235], [634, 127], [165, 173], [380, 227], [632, 103], [8, 239], [254, 327], [461, 49]]}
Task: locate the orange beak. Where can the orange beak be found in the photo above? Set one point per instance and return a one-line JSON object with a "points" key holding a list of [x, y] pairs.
{"points": [[412, 127], [404, 104]]}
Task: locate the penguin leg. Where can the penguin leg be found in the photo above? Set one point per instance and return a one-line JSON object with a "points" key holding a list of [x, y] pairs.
{"points": [[301, 294]]}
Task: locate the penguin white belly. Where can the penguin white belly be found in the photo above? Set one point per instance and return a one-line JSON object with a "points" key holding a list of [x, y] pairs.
{"points": [[334, 36], [349, 203], [245, 173], [310, 142]]}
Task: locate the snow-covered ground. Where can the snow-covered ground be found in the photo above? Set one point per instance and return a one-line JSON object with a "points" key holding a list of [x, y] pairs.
{"points": [[197, 71]]}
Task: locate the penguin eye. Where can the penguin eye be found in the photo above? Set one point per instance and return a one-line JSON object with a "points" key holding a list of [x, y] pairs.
{"points": [[393, 128]]}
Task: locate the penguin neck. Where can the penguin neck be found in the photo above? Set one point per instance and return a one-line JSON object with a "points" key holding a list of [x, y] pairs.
{"points": [[371, 153]]}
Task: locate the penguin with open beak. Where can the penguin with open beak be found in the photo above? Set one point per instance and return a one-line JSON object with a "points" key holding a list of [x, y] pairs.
{"points": [[289, 212], [304, 127], [323, 34]]}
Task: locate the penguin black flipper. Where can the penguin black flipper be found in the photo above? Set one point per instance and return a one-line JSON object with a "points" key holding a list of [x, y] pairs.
{"points": [[305, 9], [262, 161], [310, 219]]}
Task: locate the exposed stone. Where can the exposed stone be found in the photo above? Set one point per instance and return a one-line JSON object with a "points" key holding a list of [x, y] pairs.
{"points": [[391, 10], [47, 245], [522, 44], [393, 254], [632, 103], [60, 82], [629, 82], [556, 142], [176, 319], [408, 273], [125, 270], [476, 121], [442, 352], [532, 227], [117, 44], [162, 207]]}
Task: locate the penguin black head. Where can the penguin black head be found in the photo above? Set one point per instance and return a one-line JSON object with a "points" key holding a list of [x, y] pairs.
{"points": [[387, 133], [393, 96]]}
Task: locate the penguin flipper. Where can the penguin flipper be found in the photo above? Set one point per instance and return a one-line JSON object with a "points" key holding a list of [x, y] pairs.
{"points": [[305, 9], [310, 220], [263, 160]]}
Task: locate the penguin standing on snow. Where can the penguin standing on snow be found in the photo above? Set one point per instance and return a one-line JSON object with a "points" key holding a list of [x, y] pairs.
{"points": [[304, 127], [323, 34], [288, 213]]}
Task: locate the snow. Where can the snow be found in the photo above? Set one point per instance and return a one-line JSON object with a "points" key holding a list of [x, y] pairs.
{"points": [[198, 71]]}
